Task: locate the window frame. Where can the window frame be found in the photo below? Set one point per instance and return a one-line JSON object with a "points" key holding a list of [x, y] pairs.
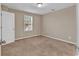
{"points": [[28, 25]]}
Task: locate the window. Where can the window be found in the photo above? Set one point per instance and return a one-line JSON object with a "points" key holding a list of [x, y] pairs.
{"points": [[28, 20]]}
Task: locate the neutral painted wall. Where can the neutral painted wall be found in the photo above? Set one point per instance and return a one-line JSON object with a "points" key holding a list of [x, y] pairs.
{"points": [[60, 24], [19, 23]]}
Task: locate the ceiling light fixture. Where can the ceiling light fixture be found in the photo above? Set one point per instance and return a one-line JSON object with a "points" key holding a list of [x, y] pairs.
{"points": [[39, 4]]}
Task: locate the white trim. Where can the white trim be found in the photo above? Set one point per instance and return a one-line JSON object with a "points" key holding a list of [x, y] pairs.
{"points": [[60, 39], [23, 38], [27, 37], [13, 14], [48, 37]]}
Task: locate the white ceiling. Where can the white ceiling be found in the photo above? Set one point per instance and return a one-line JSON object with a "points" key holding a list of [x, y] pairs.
{"points": [[31, 7]]}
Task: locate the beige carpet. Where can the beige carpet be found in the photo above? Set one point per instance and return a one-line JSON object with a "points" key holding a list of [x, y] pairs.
{"points": [[38, 46]]}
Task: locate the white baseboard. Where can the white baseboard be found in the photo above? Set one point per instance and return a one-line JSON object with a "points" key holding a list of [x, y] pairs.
{"points": [[60, 39], [27, 37], [49, 37]]}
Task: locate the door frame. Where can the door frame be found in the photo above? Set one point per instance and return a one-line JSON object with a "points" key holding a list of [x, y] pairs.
{"points": [[14, 25]]}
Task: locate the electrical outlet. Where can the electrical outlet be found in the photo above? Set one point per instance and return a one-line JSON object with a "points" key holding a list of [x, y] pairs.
{"points": [[69, 37]]}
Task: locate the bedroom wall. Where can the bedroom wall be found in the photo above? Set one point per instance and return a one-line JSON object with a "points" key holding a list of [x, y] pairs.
{"points": [[19, 23], [60, 24]]}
